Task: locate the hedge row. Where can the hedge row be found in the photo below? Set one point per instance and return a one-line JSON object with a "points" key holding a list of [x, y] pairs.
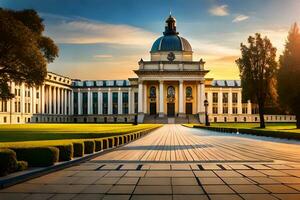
{"points": [[48, 155], [267, 133]]}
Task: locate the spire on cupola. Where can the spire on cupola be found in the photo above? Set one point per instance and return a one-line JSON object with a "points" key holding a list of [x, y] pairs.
{"points": [[170, 27]]}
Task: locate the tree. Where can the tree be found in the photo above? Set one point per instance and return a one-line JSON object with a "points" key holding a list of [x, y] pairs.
{"points": [[289, 74], [258, 70], [24, 51]]}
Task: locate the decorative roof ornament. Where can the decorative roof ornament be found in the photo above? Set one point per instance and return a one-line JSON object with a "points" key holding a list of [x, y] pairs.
{"points": [[141, 61]]}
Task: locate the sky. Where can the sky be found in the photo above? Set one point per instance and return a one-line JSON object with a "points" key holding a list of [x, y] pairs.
{"points": [[105, 39]]}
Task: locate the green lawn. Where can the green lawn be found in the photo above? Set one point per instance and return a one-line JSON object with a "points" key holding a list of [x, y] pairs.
{"points": [[34, 132], [286, 127]]}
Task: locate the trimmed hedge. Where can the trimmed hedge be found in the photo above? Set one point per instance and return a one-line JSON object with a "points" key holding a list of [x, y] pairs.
{"points": [[267, 133], [98, 145], [78, 148], [38, 156], [89, 147], [65, 152], [8, 161], [22, 165]]}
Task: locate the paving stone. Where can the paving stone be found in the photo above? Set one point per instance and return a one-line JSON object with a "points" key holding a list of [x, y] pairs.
{"points": [[273, 172], [287, 179], [83, 168], [295, 186], [135, 174], [13, 196], [228, 173], [279, 166], [251, 173], [238, 166], [187, 189], [88, 197], [107, 181], [200, 174], [128, 181], [237, 181], [129, 167], [190, 197], [258, 196], [121, 189], [210, 167], [180, 167], [38, 197], [250, 189], [154, 181], [145, 189], [182, 174], [91, 174], [115, 174], [151, 197], [62, 196], [218, 189], [288, 196], [258, 166], [110, 166], [160, 167], [292, 172], [85, 180], [184, 181], [99, 189], [211, 181], [279, 189], [225, 197], [116, 197], [264, 180], [158, 174], [22, 188]]}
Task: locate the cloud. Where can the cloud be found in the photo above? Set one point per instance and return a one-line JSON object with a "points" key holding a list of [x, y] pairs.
{"points": [[240, 18], [77, 30], [103, 56], [219, 10]]}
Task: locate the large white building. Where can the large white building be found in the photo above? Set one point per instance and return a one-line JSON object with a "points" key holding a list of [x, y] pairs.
{"points": [[170, 88]]}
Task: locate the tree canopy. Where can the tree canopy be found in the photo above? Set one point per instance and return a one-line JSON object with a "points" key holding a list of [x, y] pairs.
{"points": [[258, 70], [24, 50], [289, 74]]}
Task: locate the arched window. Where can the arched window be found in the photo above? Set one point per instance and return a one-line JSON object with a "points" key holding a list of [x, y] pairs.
{"points": [[171, 92], [152, 92], [188, 92]]}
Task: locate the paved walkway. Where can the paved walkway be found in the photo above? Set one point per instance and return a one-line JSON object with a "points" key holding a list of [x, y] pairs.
{"points": [[175, 162]]}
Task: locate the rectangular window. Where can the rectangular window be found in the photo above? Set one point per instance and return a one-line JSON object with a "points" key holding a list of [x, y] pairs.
{"points": [[19, 106], [16, 106], [215, 97], [37, 95], [215, 110], [4, 119], [75, 103], [125, 102], [85, 103], [29, 110], [225, 97], [234, 110], [244, 110], [225, 110], [105, 103], [95, 103], [136, 98], [234, 97], [4, 106], [115, 102]]}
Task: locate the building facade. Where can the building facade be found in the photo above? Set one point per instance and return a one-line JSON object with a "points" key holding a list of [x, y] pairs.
{"points": [[170, 88]]}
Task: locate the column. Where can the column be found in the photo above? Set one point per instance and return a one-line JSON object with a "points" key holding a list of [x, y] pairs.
{"points": [[129, 101], [109, 102], [239, 104], [33, 97], [249, 107], [210, 102], [220, 102], [79, 102], [181, 98], [100, 109], [50, 99], [161, 98], [59, 101], [140, 98], [71, 107], [12, 90], [120, 100], [202, 97], [89, 100], [198, 98], [22, 100], [42, 99], [230, 102], [55, 100], [65, 101], [145, 98]]}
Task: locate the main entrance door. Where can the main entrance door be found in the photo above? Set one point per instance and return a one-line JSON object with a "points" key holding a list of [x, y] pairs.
{"points": [[171, 109], [189, 108], [153, 108]]}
